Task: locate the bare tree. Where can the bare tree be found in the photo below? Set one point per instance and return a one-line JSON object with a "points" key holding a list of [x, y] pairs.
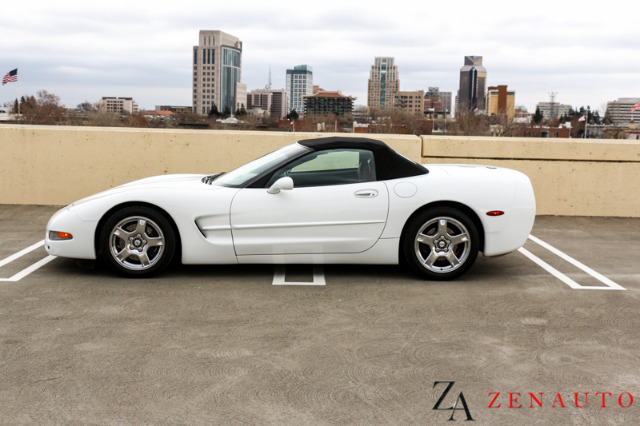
{"points": [[45, 109], [470, 124]]}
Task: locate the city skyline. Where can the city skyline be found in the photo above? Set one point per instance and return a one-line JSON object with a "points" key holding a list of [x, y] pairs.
{"points": [[83, 52]]}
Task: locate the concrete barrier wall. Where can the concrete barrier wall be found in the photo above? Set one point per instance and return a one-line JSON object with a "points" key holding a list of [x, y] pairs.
{"points": [[54, 165], [571, 177]]}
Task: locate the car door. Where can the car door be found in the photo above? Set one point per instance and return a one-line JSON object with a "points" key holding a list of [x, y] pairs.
{"points": [[335, 206]]}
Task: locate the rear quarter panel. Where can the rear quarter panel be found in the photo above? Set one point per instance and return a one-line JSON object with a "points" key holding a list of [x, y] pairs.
{"points": [[481, 189]]}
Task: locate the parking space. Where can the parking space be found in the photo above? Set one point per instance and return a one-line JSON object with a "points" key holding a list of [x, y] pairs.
{"points": [[363, 344]]}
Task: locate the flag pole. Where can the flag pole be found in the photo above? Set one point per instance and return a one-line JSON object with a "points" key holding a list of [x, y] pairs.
{"points": [[18, 75]]}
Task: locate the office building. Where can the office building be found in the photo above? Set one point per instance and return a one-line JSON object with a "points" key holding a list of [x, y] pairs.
{"points": [[328, 102], [437, 102], [118, 105], [299, 83], [551, 110], [412, 102], [217, 63], [501, 101], [384, 84], [473, 78], [272, 102], [622, 112]]}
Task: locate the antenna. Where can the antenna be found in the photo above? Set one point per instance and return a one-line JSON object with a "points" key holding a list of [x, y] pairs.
{"points": [[268, 86], [552, 101]]}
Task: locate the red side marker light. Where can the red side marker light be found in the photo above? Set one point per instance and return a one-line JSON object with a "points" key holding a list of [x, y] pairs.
{"points": [[495, 213]]}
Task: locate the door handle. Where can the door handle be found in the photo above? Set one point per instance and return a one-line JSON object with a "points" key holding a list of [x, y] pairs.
{"points": [[366, 193]]}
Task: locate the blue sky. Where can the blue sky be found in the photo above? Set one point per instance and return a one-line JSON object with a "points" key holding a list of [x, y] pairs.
{"points": [[82, 50]]}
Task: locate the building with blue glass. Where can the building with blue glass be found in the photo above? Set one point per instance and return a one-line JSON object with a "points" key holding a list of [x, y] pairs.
{"points": [[217, 71], [384, 84], [299, 83]]}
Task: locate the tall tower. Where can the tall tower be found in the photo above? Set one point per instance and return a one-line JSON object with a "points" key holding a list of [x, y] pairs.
{"points": [[299, 83], [473, 80], [384, 84], [217, 61]]}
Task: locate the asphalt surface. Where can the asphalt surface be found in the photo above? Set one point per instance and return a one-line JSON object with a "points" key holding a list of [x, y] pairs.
{"points": [[224, 345]]}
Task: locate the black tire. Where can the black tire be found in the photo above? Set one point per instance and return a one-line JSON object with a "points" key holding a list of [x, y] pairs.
{"points": [[440, 243], [137, 241]]}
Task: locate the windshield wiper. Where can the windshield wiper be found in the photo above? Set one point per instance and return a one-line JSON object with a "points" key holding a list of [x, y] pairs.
{"points": [[210, 178]]}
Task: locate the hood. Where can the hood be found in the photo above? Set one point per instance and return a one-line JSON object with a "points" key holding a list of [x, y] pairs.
{"points": [[164, 181], [178, 181]]}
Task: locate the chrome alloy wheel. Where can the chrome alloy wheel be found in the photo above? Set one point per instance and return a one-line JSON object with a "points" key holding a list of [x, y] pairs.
{"points": [[442, 244], [136, 243]]}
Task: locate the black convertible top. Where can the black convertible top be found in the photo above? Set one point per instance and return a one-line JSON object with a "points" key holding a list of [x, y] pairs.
{"points": [[389, 164]]}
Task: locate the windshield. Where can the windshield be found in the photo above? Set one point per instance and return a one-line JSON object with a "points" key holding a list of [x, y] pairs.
{"points": [[244, 174]]}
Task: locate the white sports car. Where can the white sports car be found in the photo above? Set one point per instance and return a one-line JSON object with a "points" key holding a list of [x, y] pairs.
{"points": [[318, 201]]}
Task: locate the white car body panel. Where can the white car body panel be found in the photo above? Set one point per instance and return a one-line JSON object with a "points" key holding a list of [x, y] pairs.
{"points": [[331, 219], [482, 189], [350, 223]]}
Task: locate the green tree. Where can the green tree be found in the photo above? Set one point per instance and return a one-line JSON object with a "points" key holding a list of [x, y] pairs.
{"points": [[293, 115], [242, 111], [537, 116], [213, 112]]}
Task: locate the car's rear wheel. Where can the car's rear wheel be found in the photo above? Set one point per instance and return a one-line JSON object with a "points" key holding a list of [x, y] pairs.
{"points": [[440, 243], [137, 241]]}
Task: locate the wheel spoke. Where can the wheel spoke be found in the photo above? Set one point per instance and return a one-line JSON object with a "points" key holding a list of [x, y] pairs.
{"points": [[154, 242], [141, 227], [426, 239], [122, 234], [452, 258], [123, 254], [431, 259], [144, 259], [442, 228], [459, 239]]}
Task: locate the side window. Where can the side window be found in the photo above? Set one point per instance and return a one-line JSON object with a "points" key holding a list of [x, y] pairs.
{"points": [[330, 167]]}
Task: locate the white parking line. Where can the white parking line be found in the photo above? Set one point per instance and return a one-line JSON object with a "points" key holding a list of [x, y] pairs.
{"points": [[608, 284], [279, 277], [26, 271], [21, 253]]}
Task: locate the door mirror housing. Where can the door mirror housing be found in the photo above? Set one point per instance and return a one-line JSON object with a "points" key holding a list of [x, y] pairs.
{"points": [[282, 184]]}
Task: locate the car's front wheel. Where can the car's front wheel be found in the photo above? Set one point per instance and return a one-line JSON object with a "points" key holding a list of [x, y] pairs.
{"points": [[440, 243], [137, 241]]}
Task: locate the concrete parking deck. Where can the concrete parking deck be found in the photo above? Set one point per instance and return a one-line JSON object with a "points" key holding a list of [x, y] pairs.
{"points": [[547, 335]]}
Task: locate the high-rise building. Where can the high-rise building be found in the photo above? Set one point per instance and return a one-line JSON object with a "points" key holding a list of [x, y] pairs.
{"points": [[384, 84], [501, 101], [217, 62], [622, 111], [272, 101], [473, 79], [299, 83]]}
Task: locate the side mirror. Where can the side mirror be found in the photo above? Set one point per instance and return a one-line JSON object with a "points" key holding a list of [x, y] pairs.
{"points": [[282, 184]]}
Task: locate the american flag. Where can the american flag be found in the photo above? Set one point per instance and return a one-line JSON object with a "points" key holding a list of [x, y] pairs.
{"points": [[10, 77], [635, 107]]}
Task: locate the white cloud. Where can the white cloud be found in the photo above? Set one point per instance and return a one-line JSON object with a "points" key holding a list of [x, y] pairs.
{"points": [[85, 50]]}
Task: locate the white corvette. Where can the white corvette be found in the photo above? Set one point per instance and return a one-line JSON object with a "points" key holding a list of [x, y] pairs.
{"points": [[329, 200]]}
